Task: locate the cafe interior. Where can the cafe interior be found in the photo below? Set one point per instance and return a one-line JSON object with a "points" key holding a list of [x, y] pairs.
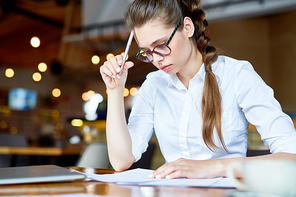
{"points": [[52, 97]]}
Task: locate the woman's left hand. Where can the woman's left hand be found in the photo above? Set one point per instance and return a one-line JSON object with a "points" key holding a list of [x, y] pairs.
{"points": [[192, 169]]}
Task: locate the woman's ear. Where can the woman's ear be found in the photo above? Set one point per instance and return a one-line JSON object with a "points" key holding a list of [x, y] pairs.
{"points": [[189, 26]]}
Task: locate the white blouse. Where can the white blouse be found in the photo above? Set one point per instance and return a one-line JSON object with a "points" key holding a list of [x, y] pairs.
{"points": [[164, 105]]}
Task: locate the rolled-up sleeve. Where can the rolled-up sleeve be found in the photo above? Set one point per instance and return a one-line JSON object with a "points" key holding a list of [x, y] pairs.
{"points": [[141, 124], [261, 109]]}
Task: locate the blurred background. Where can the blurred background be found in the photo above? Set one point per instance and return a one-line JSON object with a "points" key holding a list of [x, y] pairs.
{"points": [[52, 94]]}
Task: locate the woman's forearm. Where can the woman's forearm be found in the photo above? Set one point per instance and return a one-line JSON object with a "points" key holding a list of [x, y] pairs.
{"points": [[118, 137]]}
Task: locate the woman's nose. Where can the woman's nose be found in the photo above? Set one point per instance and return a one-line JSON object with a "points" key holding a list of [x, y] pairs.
{"points": [[157, 58]]}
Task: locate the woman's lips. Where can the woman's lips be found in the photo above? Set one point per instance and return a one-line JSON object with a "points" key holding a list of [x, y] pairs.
{"points": [[166, 68]]}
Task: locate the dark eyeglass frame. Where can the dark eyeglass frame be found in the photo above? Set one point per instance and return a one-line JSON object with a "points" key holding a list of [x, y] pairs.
{"points": [[166, 44]]}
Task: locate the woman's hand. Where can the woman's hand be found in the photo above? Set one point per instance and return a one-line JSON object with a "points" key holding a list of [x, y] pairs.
{"points": [[110, 71], [192, 169]]}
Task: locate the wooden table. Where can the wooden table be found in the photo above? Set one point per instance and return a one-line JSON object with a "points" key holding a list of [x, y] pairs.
{"points": [[44, 155], [42, 151], [108, 189]]}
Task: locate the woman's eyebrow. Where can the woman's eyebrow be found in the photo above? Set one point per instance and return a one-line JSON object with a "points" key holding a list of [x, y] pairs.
{"points": [[154, 43], [158, 41]]}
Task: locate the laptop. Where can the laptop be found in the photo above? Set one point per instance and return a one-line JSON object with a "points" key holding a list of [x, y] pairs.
{"points": [[37, 174]]}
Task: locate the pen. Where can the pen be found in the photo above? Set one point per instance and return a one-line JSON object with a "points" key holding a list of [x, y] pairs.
{"points": [[126, 50]]}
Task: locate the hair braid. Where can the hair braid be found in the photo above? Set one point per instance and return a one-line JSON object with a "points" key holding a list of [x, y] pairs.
{"points": [[211, 98]]}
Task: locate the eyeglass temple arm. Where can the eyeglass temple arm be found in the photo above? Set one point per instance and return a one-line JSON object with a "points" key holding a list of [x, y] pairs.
{"points": [[177, 26]]}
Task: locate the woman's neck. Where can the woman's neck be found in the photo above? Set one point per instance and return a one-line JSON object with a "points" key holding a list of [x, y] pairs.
{"points": [[191, 68]]}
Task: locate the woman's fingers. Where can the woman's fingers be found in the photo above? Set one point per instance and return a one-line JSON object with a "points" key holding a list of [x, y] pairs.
{"points": [[182, 168], [113, 64], [164, 170], [111, 69], [169, 172]]}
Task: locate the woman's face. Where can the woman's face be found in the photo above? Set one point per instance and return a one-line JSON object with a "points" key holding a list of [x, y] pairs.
{"points": [[155, 33]]}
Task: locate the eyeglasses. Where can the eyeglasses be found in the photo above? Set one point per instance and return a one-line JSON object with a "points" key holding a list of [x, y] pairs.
{"points": [[162, 49]]}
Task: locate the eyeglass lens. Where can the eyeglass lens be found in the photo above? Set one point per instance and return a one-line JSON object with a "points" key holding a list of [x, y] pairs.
{"points": [[160, 50]]}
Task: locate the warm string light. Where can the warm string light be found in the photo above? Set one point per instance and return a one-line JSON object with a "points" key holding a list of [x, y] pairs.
{"points": [[56, 92], [37, 76], [88, 95], [109, 55], [35, 42], [42, 67], [126, 92], [77, 122], [59, 126], [122, 54], [55, 113], [133, 91], [95, 59], [3, 124], [9, 72], [13, 130]]}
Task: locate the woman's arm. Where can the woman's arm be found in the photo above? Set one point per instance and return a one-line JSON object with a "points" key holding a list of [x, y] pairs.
{"points": [[118, 138], [208, 168]]}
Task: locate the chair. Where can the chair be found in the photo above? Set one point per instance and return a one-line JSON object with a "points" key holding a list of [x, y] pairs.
{"points": [[94, 155], [253, 153]]}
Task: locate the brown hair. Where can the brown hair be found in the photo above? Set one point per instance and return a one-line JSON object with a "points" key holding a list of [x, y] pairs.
{"points": [[171, 11]]}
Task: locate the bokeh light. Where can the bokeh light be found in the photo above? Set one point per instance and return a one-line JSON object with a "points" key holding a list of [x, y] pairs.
{"points": [[87, 95], [13, 130], [90, 94], [126, 92], [122, 54], [35, 42], [84, 96], [3, 124], [77, 122], [59, 126], [109, 55], [56, 92], [9, 72], [133, 91], [95, 59], [55, 113], [42, 67], [36, 76]]}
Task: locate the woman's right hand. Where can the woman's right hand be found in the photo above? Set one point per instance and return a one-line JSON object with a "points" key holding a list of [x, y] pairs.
{"points": [[110, 72]]}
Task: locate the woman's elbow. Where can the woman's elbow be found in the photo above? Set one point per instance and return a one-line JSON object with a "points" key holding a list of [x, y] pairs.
{"points": [[122, 165]]}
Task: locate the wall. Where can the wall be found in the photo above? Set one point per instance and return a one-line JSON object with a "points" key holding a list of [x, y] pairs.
{"points": [[283, 58], [269, 43], [245, 40]]}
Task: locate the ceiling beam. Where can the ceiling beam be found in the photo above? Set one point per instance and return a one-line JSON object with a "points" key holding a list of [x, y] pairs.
{"points": [[39, 17]]}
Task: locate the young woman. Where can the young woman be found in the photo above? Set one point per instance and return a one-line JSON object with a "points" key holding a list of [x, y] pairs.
{"points": [[199, 104]]}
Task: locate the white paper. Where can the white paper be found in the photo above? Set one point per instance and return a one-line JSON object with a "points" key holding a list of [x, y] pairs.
{"points": [[130, 176], [140, 177], [65, 195]]}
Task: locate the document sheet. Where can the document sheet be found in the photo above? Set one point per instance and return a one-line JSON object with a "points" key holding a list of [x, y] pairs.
{"points": [[140, 177], [65, 195]]}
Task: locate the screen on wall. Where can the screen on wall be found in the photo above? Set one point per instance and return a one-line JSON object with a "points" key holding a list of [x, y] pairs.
{"points": [[22, 99]]}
